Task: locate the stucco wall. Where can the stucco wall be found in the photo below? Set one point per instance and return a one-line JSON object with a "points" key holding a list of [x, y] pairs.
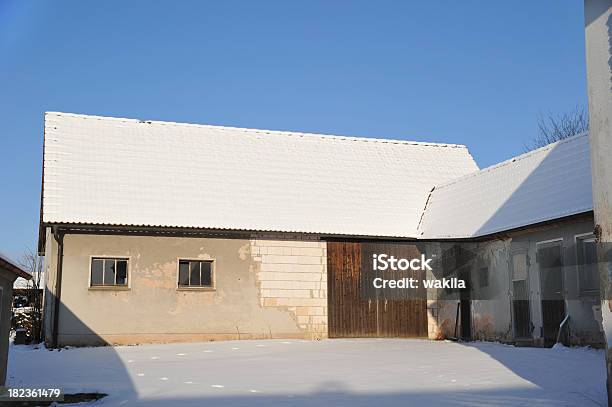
{"points": [[49, 273], [491, 306], [272, 286], [152, 309], [584, 328]]}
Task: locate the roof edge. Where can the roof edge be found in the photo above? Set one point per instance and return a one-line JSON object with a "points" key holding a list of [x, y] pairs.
{"points": [[512, 160], [578, 215], [518, 226], [211, 230], [259, 131], [9, 265]]}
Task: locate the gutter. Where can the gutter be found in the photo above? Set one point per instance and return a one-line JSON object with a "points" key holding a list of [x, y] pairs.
{"points": [[59, 238]]}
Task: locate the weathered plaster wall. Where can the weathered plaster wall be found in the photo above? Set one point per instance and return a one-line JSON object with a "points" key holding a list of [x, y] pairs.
{"points": [[584, 311], [491, 308], [491, 305], [153, 309], [276, 286], [441, 306]]}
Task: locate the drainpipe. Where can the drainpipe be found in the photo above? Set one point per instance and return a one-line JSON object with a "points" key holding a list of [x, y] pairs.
{"points": [[59, 238]]}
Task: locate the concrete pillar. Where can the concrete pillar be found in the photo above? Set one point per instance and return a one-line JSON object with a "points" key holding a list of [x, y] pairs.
{"points": [[598, 33]]}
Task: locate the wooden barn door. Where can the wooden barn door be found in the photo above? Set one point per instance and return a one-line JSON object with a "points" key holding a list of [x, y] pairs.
{"points": [[402, 319], [349, 315]]}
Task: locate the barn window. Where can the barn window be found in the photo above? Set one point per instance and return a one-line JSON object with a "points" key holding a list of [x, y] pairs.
{"points": [[588, 275], [195, 273], [111, 272]]}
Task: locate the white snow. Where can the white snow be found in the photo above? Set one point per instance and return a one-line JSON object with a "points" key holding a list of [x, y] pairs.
{"points": [[245, 179], [359, 372], [548, 183]]}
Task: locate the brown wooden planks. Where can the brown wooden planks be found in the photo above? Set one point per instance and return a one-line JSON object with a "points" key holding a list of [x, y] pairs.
{"points": [[349, 315], [352, 316]]}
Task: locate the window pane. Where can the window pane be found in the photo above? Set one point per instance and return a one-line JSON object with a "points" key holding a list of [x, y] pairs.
{"points": [[184, 273], [519, 263], [121, 272], [195, 273], [520, 290], [550, 260], [587, 266], [96, 271], [109, 272], [207, 273]]}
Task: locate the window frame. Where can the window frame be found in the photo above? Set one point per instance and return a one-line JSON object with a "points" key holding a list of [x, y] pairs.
{"points": [[213, 275], [584, 294], [107, 287]]}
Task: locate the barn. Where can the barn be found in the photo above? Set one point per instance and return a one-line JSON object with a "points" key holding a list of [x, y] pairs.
{"points": [[160, 231]]}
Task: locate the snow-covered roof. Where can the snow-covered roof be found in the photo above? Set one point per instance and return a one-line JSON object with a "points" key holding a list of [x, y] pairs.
{"points": [[111, 171], [545, 184]]}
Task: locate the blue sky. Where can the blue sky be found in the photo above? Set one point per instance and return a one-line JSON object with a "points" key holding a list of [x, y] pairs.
{"points": [[470, 72]]}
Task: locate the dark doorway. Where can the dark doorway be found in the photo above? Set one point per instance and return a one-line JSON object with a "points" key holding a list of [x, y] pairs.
{"points": [[520, 296], [550, 262], [466, 309]]}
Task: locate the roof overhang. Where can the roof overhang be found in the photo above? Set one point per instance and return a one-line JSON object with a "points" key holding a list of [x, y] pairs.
{"points": [[7, 264]]}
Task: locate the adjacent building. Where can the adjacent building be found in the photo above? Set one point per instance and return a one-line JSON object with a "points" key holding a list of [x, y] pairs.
{"points": [[9, 272], [157, 232]]}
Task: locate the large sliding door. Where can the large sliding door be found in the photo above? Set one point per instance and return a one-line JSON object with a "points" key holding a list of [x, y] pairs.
{"points": [[351, 314]]}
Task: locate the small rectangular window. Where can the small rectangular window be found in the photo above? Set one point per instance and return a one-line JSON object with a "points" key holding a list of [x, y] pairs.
{"points": [[109, 272], [195, 273]]}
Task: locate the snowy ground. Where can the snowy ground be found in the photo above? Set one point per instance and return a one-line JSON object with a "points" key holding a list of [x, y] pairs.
{"points": [[361, 372]]}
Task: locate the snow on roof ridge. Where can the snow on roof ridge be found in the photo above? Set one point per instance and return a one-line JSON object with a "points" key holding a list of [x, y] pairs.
{"points": [[431, 191], [511, 160], [261, 131]]}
